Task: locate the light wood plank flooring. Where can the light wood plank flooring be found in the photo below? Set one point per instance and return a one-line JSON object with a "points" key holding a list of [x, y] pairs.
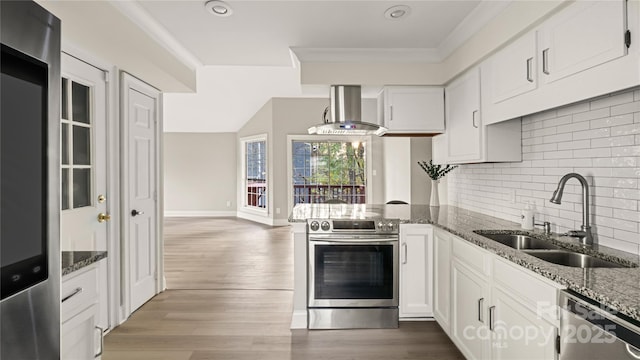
{"points": [[229, 297]]}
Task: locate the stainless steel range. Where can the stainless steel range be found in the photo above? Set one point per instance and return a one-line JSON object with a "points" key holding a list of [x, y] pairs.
{"points": [[353, 273]]}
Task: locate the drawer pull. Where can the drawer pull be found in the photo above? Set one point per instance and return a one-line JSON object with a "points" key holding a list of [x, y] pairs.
{"points": [[74, 293], [101, 332]]}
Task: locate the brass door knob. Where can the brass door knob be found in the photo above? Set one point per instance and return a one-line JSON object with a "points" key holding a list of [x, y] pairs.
{"points": [[102, 217]]}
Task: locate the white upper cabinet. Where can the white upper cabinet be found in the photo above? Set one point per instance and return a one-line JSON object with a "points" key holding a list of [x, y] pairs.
{"points": [[468, 139], [511, 71], [578, 53], [464, 124], [584, 35], [412, 109]]}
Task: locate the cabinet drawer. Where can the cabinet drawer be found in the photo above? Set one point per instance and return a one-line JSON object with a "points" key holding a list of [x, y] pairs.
{"points": [[534, 291], [471, 255], [79, 291]]}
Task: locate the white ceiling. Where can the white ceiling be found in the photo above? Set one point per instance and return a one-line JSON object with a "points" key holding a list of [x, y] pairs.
{"points": [[261, 32], [252, 55]]}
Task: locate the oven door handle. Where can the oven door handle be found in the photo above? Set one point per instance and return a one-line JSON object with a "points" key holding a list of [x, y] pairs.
{"points": [[384, 241]]}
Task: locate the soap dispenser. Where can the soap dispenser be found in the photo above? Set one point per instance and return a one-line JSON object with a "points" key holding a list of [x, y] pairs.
{"points": [[527, 216]]}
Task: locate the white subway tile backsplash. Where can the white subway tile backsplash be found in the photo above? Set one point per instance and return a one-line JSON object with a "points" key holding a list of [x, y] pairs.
{"points": [[626, 108], [593, 114], [625, 130], [564, 120], [599, 139], [570, 145], [592, 153], [559, 138], [592, 134], [573, 109], [612, 100], [612, 121], [612, 141], [573, 127]]}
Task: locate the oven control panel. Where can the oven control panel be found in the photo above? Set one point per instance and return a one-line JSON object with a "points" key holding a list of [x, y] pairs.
{"points": [[377, 226]]}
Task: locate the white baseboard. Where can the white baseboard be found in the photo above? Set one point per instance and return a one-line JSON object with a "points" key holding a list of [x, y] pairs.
{"points": [[267, 220], [198, 213], [299, 319]]}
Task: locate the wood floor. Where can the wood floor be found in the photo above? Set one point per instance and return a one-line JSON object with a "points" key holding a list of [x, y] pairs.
{"points": [[229, 297]]}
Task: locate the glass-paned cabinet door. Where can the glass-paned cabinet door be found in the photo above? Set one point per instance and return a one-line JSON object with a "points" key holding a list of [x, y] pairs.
{"points": [[76, 145]]}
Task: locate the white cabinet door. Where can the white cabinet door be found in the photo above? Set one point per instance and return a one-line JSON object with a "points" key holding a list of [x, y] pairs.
{"points": [[413, 109], [584, 35], [464, 127], [469, 320], [78, 336], [442, 278], [510, 72], [518, 332], [416, 274]]}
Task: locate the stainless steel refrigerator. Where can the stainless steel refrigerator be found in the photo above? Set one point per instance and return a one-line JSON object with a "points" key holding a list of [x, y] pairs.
{"points": [[29, 182]]}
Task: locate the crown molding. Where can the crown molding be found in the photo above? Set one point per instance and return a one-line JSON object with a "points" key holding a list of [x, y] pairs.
{"points": [[139, 16], [471, 24]]}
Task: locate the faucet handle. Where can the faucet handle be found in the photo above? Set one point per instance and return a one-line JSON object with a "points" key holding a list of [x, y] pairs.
{"points": [[546, 226]]}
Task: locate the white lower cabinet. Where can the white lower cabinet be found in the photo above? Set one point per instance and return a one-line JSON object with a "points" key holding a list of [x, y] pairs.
{"points": [[517, 332], [498, 310], [470, 296], [442, 278], [416, 271], [80, 339]]}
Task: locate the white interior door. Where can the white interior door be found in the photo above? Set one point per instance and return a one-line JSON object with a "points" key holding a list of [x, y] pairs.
{"points": [[141, 122], [84, 165]]}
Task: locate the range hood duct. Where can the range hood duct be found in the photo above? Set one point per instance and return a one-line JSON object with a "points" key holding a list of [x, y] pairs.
{"points": [[344, 114]]}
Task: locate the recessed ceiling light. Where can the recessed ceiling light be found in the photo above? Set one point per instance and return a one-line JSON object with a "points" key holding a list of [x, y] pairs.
{"points": [[397, 12], [219, 8]]}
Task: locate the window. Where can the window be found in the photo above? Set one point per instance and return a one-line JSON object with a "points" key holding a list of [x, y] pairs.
{"points": [[76, 156], [329, 169], [255, 172]]}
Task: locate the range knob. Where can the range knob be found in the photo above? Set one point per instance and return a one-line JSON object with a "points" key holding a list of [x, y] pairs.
{"points": [[325, 226], [314, 226], [391, 226]]}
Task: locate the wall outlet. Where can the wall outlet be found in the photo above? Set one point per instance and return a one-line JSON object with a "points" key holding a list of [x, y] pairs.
{"points": [[228, 203], [277, 210], [374, 172], [512, 195]]}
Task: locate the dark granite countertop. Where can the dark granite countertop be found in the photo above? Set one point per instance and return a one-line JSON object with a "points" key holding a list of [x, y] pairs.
{"points": [[76, 260], [617, 288]]}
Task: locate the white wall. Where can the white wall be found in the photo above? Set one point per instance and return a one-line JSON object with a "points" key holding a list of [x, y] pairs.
{"points": [[199, 174], [599, 139]]}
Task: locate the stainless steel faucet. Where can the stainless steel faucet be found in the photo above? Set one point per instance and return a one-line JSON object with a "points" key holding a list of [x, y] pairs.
{"points": [[584, 234]]}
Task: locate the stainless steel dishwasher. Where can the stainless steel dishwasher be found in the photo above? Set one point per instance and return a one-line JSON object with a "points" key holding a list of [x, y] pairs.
{"points": [[591, 331]]}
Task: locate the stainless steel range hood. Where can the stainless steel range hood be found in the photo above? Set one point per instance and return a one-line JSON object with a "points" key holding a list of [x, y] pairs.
{"points": [[344, 114]]}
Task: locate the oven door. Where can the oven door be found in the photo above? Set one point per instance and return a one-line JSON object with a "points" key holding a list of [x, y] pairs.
{"points": [[353, 272]]}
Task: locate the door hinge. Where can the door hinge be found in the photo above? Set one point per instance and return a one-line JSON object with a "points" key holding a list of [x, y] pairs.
{"points": [[106, 76], [558, 344], [155, 195], [627, 38]]}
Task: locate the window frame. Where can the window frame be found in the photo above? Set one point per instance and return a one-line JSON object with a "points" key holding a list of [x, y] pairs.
{"points": [[70, 122], [243, 159], [367, 139]]}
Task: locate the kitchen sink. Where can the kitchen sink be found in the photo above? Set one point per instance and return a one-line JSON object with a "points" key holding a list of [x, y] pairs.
{"points": [[519, 242], [573, 259]]}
